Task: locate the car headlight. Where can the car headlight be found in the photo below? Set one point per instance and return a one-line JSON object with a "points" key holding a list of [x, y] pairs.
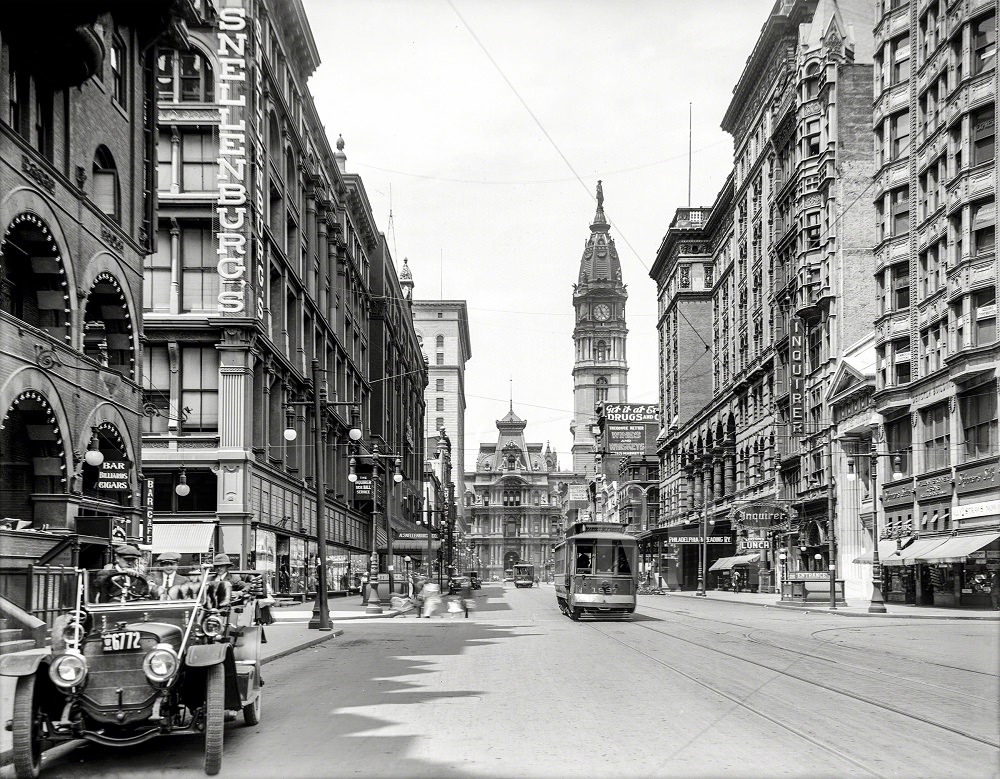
{"points": [[213, 626], [68, 670], [160, 664]]}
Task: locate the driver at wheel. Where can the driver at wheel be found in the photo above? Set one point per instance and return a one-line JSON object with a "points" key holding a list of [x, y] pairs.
{"points": [[122, 581]]}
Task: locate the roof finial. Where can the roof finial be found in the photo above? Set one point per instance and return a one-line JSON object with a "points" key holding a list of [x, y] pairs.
{"points": [[512, 393], [600, 194]]}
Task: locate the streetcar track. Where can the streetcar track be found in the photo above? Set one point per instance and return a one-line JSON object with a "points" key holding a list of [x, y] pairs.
{"points": [[743, 704], [854, 666], [786, 673]]}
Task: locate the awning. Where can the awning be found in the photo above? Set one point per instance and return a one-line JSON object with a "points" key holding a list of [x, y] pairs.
{"points": [[725, 563], [955, 550], [181, 537], [908, 556], [414, 546], [886, 547]]}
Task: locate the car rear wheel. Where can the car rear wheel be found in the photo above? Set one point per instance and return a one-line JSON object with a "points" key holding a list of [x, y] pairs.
{"points": [[26, 728], [215, 717], [251, 712]]}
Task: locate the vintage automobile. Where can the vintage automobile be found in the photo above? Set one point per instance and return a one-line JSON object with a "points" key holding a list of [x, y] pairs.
{"points": [[140, 664]]}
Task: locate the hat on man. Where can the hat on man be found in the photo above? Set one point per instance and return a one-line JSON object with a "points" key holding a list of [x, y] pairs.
{"points": [[127, 550], [221, 559], [168, 557]]}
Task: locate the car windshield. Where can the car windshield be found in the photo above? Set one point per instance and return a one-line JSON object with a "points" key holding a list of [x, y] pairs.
{"points": [[130, 582]]}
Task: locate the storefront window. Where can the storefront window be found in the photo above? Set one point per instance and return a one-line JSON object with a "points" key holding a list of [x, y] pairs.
{"points": [[297, 565], [265, 558]]}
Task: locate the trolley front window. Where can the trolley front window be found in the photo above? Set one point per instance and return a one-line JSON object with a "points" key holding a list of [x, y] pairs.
{"points": [[604, 558]]}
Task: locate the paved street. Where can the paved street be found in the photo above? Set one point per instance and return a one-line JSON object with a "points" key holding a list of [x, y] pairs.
{"points": [[688, 688]]}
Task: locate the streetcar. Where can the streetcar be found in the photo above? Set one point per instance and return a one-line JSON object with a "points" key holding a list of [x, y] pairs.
{"points": [[524, 575], [596, 571]]}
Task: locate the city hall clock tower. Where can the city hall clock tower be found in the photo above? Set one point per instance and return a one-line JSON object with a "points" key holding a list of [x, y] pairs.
{"points": [[600, 369]]}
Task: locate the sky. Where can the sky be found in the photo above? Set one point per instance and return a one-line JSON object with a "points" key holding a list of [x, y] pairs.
{"points": [[480, 129]]}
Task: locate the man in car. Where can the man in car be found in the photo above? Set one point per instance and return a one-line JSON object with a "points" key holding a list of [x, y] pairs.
{"points": [[122, 580], [222, 583], [167, 577]]}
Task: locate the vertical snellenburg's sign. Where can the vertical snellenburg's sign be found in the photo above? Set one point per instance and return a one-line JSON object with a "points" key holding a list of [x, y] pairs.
{"points": [[240, 202]]}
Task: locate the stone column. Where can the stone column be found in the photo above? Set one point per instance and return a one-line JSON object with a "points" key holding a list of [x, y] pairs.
{"points": [[175, 267]]}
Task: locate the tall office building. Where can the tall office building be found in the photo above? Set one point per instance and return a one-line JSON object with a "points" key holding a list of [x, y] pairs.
{"points": [[443, 327], [269, 260]]}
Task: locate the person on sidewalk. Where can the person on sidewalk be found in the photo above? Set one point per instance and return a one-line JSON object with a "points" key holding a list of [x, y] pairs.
{"points": [[736, 581], [466, 595], [995, 591], [432, 598]]}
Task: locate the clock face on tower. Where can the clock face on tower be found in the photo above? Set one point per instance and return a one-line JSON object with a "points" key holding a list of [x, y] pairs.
{"points": [[602, 312]]}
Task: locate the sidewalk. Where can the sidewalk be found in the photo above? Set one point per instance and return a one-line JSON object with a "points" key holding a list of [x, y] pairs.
{"points": [[854, 608]]}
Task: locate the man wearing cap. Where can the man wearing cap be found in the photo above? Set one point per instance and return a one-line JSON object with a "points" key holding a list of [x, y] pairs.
{"points": [[167, 576], [122, 580]]}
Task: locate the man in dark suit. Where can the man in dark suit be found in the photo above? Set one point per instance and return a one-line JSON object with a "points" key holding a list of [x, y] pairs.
{"points": [[167, 577], [121, 581]]}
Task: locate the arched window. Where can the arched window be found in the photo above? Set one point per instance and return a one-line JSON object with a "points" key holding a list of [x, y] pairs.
{"points": [[602, 388], [439, 342], [600, 351], [273, 139], [184, 77], [105, 194]]}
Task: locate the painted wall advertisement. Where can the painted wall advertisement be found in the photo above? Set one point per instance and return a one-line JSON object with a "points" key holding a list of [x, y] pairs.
{"points": [[631, 428]]}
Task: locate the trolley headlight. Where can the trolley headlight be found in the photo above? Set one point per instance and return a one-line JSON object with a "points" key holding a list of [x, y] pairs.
{"points": [[68, 670], [213, 626], [160, 664]]}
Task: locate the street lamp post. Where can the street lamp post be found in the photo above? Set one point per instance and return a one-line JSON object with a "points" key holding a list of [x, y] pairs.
{"points": [[832, 525], [374, 601], [877, 605], [321, 610], [703, 557]]}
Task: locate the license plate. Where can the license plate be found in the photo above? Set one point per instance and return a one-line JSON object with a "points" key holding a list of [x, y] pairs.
{"points": [[121, 642]]}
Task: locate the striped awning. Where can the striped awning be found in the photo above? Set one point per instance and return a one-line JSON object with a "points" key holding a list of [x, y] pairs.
{"points": [[182, 537], [955, 550]]}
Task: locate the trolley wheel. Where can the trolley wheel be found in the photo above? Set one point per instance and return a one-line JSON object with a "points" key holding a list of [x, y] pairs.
{"points": [[27, 729], [215, 717]]}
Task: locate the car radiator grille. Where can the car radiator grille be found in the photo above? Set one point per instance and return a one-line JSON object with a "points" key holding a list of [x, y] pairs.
{"points": [[111, 671]]}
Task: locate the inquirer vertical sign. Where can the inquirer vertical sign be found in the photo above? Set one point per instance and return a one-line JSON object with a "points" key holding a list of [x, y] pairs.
{"points": [[796, 374], [239, 205]]}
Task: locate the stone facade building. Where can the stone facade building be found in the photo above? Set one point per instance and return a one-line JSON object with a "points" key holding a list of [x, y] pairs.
{"points": [[443, 329], [515, 501], [761, 294], [270, 283], [76, 203]]}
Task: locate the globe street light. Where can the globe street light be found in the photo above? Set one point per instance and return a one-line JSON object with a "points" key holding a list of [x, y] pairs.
{"points": [[321, 406]]}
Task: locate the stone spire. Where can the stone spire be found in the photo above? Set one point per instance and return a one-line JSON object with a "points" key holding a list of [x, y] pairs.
{"points": [[600, 257], [406, 280]]}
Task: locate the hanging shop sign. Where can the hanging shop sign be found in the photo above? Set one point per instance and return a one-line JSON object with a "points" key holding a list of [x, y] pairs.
{"points": [[796, 374], [113, 476], [240, 197], [146, 517], [364, 488], [578, 492]]}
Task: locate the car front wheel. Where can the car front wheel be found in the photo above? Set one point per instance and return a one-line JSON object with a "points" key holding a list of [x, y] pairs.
{"points": [[26, 728]]}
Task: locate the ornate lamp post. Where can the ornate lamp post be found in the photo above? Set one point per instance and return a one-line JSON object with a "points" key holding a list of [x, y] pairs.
{"points": [[321, 611], [706, 525], [374, 602]]}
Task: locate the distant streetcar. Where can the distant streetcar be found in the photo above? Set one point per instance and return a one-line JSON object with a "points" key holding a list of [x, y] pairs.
{"points": [[596, 571], [524, 575]]}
